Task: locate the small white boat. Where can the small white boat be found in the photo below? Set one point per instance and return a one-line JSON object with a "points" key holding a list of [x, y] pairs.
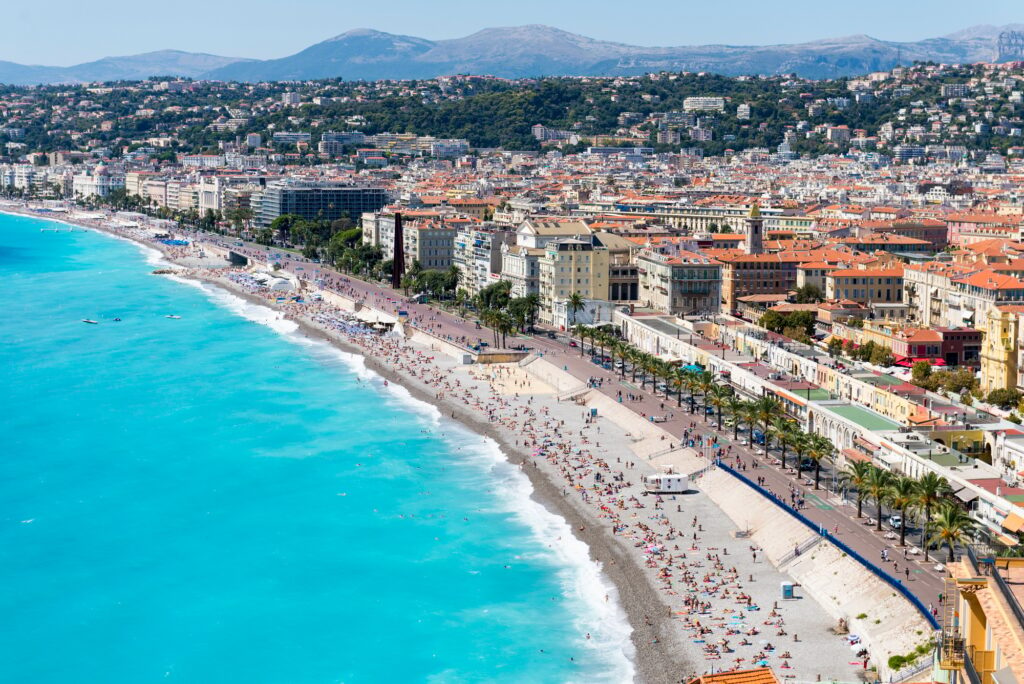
{"points": [[172, 316], [89, 320]]}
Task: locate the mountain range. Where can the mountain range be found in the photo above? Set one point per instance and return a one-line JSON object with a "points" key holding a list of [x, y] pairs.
{"points": [[525, 51]]}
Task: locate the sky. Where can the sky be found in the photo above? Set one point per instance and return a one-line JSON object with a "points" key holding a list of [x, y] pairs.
{"points": [[65, 32]]}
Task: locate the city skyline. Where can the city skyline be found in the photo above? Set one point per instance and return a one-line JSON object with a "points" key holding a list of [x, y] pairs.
{"points": [[62, 23]]}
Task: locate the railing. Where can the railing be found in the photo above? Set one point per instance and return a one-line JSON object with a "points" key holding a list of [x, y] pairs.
{"points": [[1015, 606], [972, 674], [1000, 582], [913, 670], [871, 567], [801, 549]]}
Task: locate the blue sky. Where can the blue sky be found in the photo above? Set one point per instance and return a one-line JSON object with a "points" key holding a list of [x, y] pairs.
{"points": [[63, 32]]}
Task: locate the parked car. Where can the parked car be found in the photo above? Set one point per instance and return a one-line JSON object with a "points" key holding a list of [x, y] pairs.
{"points": [[552, 335], [572, 343]]}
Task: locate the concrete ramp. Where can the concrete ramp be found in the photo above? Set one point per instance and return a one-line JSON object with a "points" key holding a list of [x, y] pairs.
{"points": [[845, 588]]}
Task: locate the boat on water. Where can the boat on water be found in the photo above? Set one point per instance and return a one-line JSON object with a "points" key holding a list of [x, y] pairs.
{"points": [[89, 320], [172, 316]]}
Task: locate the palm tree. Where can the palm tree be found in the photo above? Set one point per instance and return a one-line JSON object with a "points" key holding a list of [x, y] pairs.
{"points": [[678, 381], [734, 404], [785, 432], [621, 349], [876, 487], [767, 409], [749, 413], [719, 397], [903, 495], [580, 331], [821, 449], [801, 445], [659, 369], [692, 382], [930, 490], [856, 475], [952, 526], [635, 356], [575, 303], [705, 382], [647, 365]]}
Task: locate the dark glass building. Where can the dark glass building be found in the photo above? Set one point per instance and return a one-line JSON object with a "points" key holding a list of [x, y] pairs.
{"points": [[316, 200]]}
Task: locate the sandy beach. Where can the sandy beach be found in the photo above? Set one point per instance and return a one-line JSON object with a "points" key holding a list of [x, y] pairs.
{"points": [[698, 595]]}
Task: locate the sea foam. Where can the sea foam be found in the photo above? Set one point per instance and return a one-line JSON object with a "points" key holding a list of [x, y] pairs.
{"points": [[599, 612]]}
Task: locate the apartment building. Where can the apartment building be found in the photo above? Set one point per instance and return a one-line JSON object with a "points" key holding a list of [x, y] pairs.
{"points": [[866, 286], [682, 284], [747, 274], [927, 288], [477, 255], [569, 266], [520, 262], [431, 243]]}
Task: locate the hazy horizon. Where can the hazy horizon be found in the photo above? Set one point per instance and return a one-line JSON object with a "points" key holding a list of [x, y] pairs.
{"points": [[51, 34]]}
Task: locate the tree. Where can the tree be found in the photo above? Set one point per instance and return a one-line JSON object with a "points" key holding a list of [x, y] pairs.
{"points": [[876, 487], [856, 475], [719, 398], [881, 356], [705, 381], [809, 294], [750, 416], [575, 304], [767, 409], [820, 449], [835, 347], [931, 488], [1003, 398], [903, 495], [785, 432], [920, 372], [735, 405], [952, 526]]}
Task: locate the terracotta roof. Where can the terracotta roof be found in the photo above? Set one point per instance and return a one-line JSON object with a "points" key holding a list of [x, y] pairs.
{"points": [[761, 675]]}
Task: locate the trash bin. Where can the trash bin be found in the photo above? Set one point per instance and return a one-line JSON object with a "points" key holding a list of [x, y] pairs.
{"points": [[787, 591], [593, 413]]}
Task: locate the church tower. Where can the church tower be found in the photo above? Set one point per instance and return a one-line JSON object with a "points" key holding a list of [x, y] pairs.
{"points": [[755, 230]]}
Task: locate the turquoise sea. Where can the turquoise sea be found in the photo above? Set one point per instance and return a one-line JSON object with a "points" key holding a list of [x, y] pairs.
{"points": [[217, 499]]}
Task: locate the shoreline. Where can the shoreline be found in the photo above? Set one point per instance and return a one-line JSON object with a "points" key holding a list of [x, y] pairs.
{"points": [[653, 657], [637, 596], [659, 615]]}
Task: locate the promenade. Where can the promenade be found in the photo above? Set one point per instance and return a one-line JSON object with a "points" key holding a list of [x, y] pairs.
{"points": [[823, 507]]}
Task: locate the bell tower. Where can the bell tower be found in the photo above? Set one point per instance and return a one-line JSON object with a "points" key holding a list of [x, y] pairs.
{"points": [[755, 230]]}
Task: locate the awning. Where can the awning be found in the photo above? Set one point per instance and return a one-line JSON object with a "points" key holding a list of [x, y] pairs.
{"points": [[934, 362], [1013, 522], [966, 495], [864, 443], [855, 455], [1006, 540]]}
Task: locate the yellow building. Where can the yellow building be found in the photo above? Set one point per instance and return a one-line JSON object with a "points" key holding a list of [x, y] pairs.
{"points": [[571, 266], [999, 351], [979, 628]]}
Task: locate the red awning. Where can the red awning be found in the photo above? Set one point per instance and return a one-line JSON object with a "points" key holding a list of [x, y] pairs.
{"points": [[855, 455], [934, 362]]}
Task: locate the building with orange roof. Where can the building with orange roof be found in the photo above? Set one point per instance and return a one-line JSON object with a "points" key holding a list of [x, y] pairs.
{"points": [[681, 284], [865, 285], [967, 228], [897, 244], [760, 675]]}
